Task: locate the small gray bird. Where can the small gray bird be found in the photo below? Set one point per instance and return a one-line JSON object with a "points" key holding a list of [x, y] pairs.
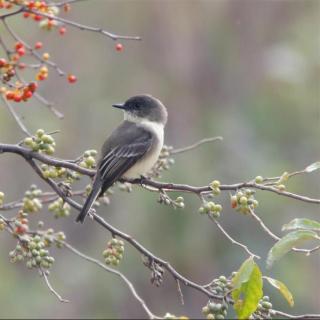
{"points": [[132, 148]]}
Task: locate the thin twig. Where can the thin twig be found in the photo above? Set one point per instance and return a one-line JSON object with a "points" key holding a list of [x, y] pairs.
{"points": [[195, 145], [43, 273], [231, 239], [16, 117], [80, 26], [180, 291], [275, 237], [117, 273]]}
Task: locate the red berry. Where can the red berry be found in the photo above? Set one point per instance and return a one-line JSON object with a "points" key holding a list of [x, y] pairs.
{"points": [[62, 30], [10, 95], [33, 86], [21, 51], [119, 47], [21, 229], [17, 98], [37, 17], [27, 94], [3, 62], [72, 78], [38, 45], [18, 45], [26, 14], [31, 4], [21, 65]]}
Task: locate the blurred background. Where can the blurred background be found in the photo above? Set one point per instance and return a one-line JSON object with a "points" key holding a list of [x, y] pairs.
{"points": [[246, 70]]}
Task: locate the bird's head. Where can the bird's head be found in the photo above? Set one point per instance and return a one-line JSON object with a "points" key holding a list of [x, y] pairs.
{"points": [[144, 107]]}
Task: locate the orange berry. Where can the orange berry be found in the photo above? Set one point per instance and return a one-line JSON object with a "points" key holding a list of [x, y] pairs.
{"points": [[10, 95], [72, 78], [46, 56]]}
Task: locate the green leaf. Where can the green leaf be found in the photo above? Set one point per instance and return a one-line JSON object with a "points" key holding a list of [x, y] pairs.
{"points": [[283, 290], [301, 223], [312, 167], [247, 292], [285, 244]]}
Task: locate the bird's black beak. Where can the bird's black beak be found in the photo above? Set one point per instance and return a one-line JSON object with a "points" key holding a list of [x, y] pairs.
{"points": [[119, 106]]}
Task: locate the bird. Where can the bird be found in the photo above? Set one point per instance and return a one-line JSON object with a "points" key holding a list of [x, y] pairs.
{"points": [[132, 148]]}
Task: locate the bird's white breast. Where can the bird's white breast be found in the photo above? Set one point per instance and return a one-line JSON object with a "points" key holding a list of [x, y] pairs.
{"points": [[145, 164]]}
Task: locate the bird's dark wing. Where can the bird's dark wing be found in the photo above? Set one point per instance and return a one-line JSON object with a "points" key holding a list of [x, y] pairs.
{"points": [[122, 157], [124, 147]]}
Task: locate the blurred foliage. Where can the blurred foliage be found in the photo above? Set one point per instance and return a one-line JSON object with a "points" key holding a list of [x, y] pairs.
{"points": [[247, 70]]}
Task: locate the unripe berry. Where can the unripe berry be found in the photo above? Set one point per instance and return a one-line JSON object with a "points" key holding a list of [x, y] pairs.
{"points": [[243, 200], [215, 184], [258, 179]]}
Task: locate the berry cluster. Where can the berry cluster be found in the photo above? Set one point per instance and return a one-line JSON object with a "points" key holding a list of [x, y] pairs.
{"points": [[164, 161], [34, 252], [215, 187], [53, 172], [211, 208], [59, 208], [243, 200], [177, 203], [221, 285], [88, 160], [1, 198], [264, 310], [31, 202], [114, 252], [215, 310], [41, 142]]}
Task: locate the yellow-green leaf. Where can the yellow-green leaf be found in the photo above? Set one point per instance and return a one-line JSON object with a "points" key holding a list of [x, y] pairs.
{"points": [[283, 289], [247, 290], [285, 244], [302, 223]]}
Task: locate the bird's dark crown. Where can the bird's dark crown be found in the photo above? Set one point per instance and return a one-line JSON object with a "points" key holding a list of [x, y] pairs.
{"points": [[145, 106]]}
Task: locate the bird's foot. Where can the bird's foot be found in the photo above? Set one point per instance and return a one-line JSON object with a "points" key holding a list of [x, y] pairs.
{"points": [[91, 213]]}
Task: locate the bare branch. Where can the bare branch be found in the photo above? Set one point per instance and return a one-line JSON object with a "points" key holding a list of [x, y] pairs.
{"points": [[195, 145], [231, 239], [16, 117], [276, 238], [80, 26], [117, 273], [43, 273]]}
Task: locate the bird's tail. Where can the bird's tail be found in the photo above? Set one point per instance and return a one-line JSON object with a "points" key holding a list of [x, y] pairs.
{"points": [[94, 194]]}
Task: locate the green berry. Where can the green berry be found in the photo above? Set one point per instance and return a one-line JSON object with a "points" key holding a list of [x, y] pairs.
{"points": [[47, 139], [215, 184], [258, 179], [266, 304], [205, 310], [40, 133], [243, 200], [201, 210], [28, 141], [90, 161], [210, 316], [218, 208]]}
